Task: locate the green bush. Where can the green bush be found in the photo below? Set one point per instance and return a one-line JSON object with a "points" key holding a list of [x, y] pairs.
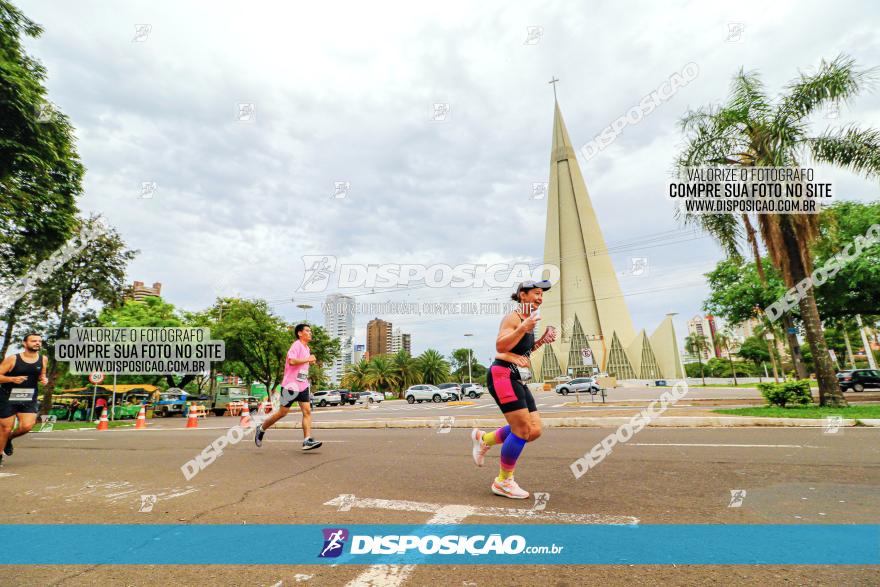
{"points": [[787, 392]]}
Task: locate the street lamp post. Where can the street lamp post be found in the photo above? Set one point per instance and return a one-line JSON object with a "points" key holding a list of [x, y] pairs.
{"points": [[469, 359], [305, 308]]}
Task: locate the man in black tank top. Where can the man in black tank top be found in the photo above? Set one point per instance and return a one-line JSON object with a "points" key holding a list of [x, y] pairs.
{"points": [[19, 376]]}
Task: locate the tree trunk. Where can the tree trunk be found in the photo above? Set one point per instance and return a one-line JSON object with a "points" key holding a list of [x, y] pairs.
{"points": [[849, 353], [11, 319], [794, 346], [771, 351], [732, 367], [52, 366], [829, 389]]}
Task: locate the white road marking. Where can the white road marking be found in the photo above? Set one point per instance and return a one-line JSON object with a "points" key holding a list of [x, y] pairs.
{"points": [[395, 575], [722, 445], [117, 491], [8, 474], [179, 494], [416, 506]]}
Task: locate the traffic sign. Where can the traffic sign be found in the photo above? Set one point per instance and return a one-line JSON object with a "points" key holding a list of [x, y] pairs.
{"points": [[587, 355], [96, 377]]}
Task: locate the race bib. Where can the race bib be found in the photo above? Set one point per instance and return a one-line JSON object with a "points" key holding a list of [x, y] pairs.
{"points": [[302, 376], [21, 394]]}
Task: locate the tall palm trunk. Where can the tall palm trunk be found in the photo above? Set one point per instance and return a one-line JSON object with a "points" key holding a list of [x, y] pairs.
{"points": [[732, 367], [772, 352], [793, 345], [849, 352], [829, 389]]}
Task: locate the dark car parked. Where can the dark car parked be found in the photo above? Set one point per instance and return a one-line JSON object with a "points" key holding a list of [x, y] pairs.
{"points": [[858, 379], [348, 397]]}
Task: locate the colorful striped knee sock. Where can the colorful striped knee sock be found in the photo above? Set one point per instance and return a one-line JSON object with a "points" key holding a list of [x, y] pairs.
{"points": [[510, 452], [496, 436]]}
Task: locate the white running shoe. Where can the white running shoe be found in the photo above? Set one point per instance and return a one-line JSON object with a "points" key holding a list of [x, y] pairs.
{"points": [[480, 448], [509, 488]]}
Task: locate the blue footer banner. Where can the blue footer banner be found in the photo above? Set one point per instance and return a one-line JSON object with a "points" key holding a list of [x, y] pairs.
{"points": [[516, 544]]}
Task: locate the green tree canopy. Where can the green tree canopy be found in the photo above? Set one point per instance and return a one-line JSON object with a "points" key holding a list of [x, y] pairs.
{"points": [[855, 289], [434, 368]]}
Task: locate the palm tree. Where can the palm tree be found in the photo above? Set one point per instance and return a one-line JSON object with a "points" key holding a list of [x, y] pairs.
{"points": [[380, 374], [751, 130], [406, 368], [696, 344], [722, 339], [433, 366], [766, 333], [787, 322], [356, 375]]}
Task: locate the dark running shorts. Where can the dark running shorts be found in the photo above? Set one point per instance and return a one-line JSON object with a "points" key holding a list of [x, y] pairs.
{"points": [[8, 408], [290, 397], [508, 391]]}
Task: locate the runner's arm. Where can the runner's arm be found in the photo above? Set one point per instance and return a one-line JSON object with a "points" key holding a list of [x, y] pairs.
{"points": [[5, 367], [510, 332]]}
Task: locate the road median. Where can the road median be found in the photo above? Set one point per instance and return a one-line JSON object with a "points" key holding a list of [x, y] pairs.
{"points": [[588, 422]]}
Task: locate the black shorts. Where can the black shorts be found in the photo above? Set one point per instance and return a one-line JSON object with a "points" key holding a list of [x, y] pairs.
{"points": [[507, 390], [290, 397], [8, 408]]}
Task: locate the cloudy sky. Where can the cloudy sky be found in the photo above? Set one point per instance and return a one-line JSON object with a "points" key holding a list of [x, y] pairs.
{"points": [[345, 92]]}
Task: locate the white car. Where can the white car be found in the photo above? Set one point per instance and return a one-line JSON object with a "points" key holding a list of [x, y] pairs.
{"points": [[472, 390], [323, 398], [426, 393], [370, 397], [579, 385]]}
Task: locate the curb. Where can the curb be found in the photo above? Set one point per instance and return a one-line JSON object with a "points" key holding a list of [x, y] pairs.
{"points": [[588, 422]]}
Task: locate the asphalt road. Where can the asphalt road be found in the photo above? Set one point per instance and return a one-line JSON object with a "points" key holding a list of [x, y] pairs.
{"points": [[790, 475]]}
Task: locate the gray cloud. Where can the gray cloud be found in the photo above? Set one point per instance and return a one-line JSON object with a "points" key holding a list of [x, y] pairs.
{"points": [[344, 93]]}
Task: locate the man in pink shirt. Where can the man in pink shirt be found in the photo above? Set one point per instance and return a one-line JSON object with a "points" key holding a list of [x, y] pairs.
{"points": [[295, 387]]}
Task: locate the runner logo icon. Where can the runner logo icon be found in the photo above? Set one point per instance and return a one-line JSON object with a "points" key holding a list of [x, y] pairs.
{"points": [[334, 540]]}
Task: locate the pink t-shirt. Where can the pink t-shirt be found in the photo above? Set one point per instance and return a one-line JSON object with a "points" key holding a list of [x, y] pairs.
{"points": [[296, 376]]}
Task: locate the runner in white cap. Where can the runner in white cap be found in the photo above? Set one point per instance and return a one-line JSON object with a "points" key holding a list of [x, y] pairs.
{"points": [[507, 384]]}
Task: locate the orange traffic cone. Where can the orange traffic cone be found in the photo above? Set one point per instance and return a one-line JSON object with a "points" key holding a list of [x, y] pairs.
{"points": [[141, 419], [245, 416], [103, 424], [192, 421]]}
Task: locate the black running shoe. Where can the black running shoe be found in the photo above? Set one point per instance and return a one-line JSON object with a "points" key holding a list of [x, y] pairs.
{"points": [[309, 444], [8, 448], [258, 437]]}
